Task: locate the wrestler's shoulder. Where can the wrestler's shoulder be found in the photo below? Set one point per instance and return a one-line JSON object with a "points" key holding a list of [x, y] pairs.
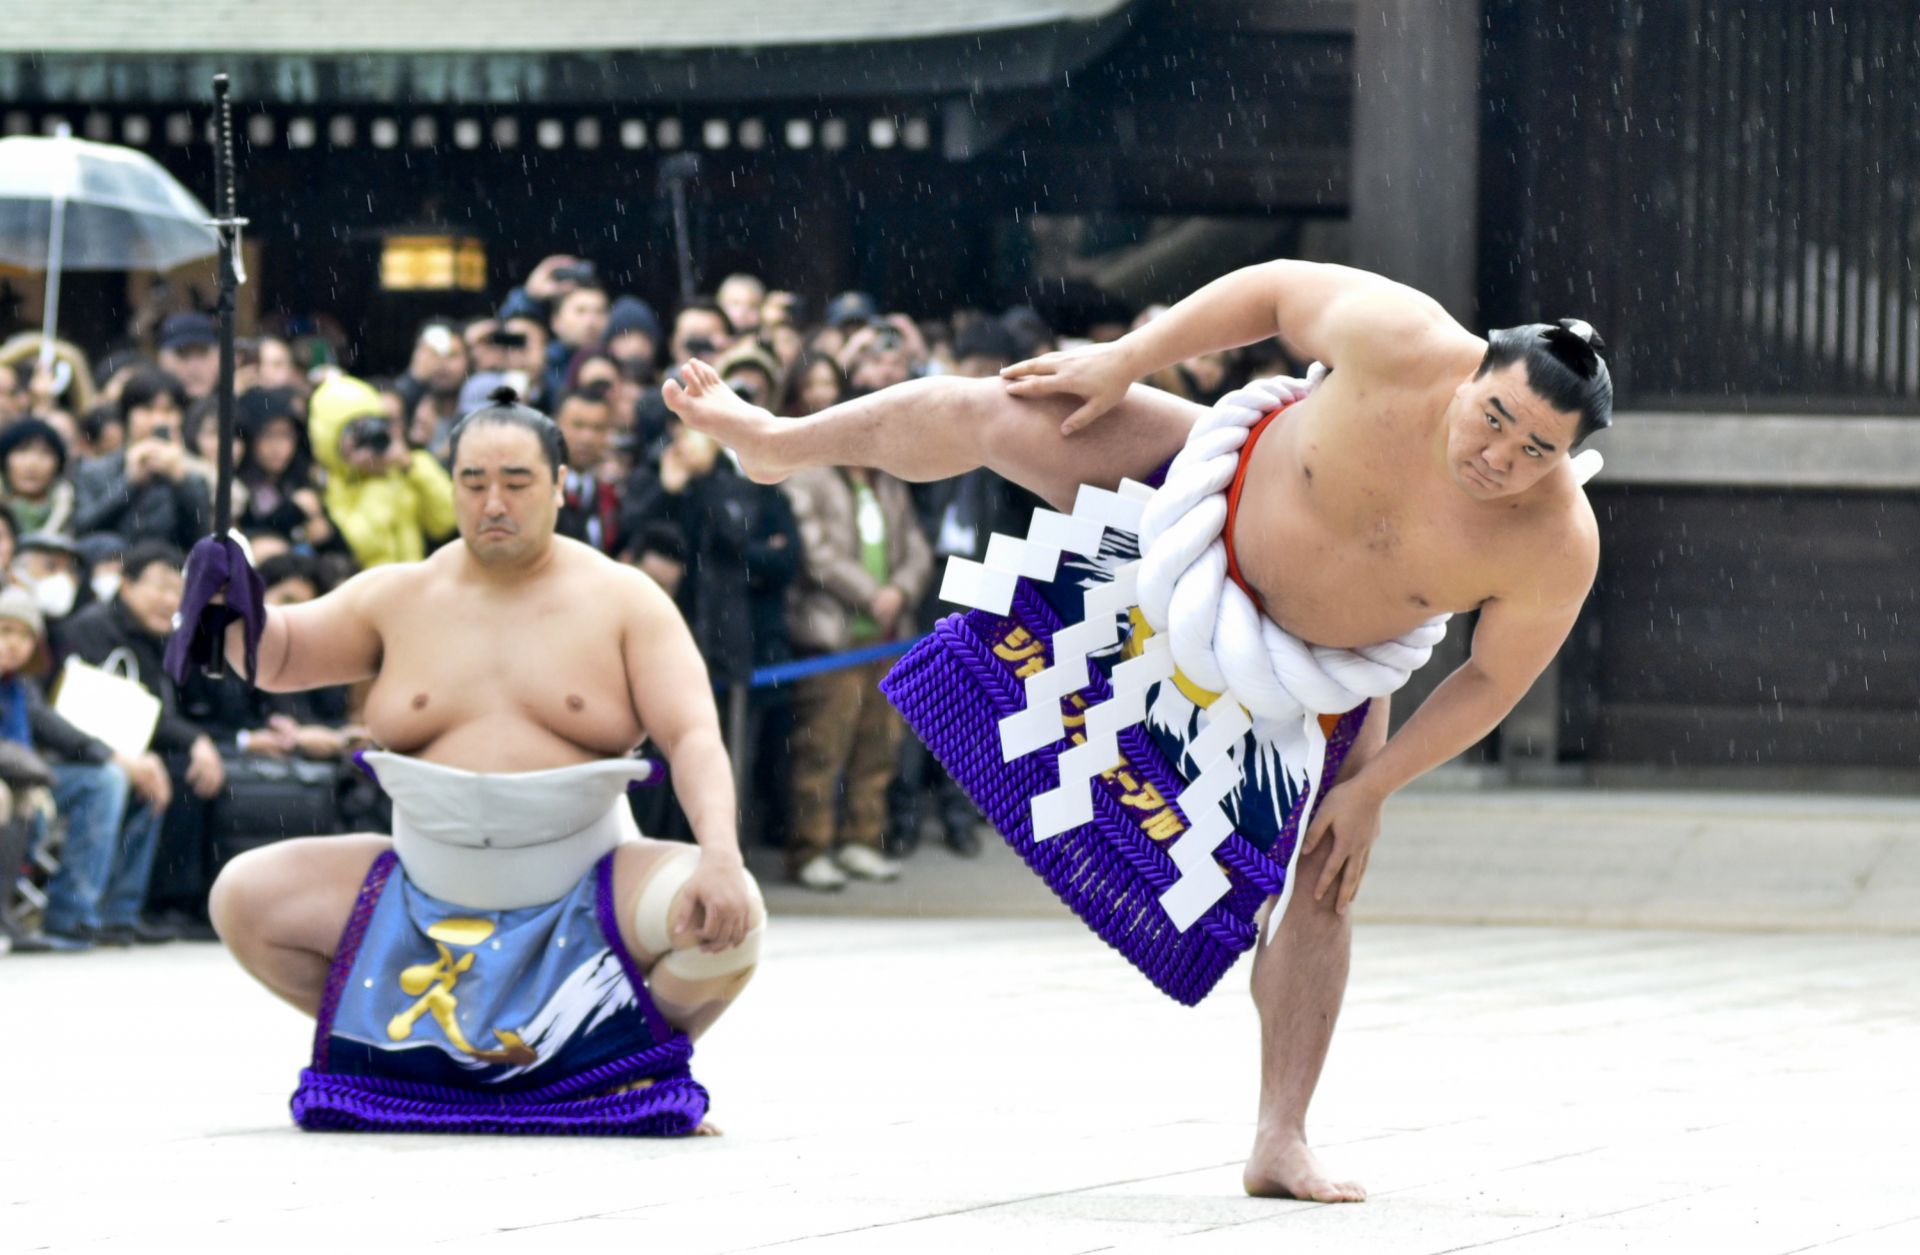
{"points": [[1565, 529]]}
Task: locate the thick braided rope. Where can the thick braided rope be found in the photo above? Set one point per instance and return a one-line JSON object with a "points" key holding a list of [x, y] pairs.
{"points": [[1220, 639]]}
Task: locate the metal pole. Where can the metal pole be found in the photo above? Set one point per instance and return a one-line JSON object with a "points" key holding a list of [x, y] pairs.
{"points": [[56, 252], [739, 745], [227, 225]]}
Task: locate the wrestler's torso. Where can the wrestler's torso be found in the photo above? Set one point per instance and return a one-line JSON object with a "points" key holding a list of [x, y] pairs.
{"points": [[519, 678], [1351, 528]]}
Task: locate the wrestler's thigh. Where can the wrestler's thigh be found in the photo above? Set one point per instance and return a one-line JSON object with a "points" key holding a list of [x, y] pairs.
{"points": [[1022, 441], [295, 894]]}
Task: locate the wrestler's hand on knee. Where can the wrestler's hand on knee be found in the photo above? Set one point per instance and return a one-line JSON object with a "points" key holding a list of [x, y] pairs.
{"points": [[715, 905], [1099, 374], [1349, 817]]}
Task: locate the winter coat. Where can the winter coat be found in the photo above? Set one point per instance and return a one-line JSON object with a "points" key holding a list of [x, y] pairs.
{"points": [[387, 517], [833, 585]]}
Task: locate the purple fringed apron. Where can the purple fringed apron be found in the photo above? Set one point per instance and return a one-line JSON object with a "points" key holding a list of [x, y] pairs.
{"points": [[442, 1019], [957, 684]]}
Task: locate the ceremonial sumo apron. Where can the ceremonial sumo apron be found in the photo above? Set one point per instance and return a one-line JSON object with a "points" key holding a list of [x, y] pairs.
{"points": [[489, 1013]]}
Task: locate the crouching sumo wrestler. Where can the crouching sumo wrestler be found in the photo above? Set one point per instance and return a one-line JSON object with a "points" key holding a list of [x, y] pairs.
{"points": [[517, 958]]}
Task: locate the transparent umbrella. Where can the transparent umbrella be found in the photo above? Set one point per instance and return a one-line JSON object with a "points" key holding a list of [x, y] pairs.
{"points": [[71, 204]]}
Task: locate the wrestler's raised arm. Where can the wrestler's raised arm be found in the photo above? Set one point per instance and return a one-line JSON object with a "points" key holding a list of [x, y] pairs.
{"points": [[1326, 313], [330, 640], [673, 696], [1517, 635]]}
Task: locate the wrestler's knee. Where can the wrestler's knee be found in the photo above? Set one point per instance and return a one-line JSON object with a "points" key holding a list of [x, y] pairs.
{"points": [[235, 903], [1302, 906], [669, 936]]}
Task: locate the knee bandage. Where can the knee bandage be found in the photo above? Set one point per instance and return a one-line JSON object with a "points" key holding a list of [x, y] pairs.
{"points": [[682, 958]]}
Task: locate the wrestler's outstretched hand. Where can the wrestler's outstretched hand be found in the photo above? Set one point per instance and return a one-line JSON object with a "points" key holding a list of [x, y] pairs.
{"points": [[1099, 374], [1349, 817], [715, 904]]}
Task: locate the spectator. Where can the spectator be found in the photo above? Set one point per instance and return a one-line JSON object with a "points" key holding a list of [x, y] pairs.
{"points": [[96, 895], [102, 431], [579, 322], [697, 492], [590, 508], [65, 389], [203, 449], [9, 544], [701, 329], [130, 632], [849, 311], [33, 477], [814, 382], [633, 338], [273, 367], [188, 345], [484, 352], [739, 297], [882, 354], [864, 564], [752, 372], [387, 500], [102, 555], [276, 468], [430, 389], [145, 490], [524, 343], [46, 565]]}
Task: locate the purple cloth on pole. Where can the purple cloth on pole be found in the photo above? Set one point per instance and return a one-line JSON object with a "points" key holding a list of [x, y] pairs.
{"points": [[953, 690], [217, 565]]}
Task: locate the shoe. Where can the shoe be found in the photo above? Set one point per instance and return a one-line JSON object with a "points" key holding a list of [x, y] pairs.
{"points": [[45, 942], [819, 874], [863, 862], [143, 932], [964, 841], [120, 936]]}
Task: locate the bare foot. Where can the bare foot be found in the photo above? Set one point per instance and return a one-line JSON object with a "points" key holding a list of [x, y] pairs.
{"points": [[706, 404], [1284, 1167], [709, 1129]]}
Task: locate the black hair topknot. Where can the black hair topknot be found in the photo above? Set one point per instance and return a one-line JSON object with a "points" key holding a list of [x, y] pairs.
{"points": [[505, 394]]}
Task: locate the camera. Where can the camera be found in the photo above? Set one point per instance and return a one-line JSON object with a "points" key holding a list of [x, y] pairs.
{"points": [[373, 434], [700, 346], [162, 432], [578, 272], [506, 339]]}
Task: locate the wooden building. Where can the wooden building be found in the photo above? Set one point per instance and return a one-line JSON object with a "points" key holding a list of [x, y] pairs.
{"points": [[1727, 190]]}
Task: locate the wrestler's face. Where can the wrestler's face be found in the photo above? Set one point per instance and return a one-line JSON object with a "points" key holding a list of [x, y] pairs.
{"points": [[1503, 437], [505, 495]]}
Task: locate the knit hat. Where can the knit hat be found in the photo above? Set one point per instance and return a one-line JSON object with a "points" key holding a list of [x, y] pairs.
{"points": [[630, 313], [16, 603]]}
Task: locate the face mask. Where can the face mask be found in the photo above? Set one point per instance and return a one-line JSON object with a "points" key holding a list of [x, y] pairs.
{"points": [[105, 585], [55, 594]]}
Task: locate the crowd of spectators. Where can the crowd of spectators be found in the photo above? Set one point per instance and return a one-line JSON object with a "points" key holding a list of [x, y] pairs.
{"points": [[106, 474]]}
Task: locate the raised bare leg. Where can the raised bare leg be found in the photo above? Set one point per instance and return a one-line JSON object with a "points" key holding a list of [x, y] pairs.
{"points": [[281, 909], [943, 426]]}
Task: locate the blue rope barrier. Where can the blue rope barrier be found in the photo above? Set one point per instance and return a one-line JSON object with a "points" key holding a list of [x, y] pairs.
{"points": [[787, 672]]}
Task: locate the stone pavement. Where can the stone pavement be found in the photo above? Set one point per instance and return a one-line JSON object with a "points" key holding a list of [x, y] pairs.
{"points": [[1010, 1086]]}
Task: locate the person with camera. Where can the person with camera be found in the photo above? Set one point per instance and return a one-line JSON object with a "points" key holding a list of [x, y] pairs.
{"points": [[147, 489], [387, 499], [430, 388], [564, 294]]}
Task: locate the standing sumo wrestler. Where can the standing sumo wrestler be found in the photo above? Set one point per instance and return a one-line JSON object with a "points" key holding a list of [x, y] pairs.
{"points": [[1423, 471], [517, 957]]}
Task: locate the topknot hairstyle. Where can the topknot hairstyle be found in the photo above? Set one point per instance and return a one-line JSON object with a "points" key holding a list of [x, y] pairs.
{"points": [[505, 409], [1565, 365]]}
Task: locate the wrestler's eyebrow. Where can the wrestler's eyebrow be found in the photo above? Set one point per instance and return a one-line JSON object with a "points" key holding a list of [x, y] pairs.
{"points": [[1507, 414]]}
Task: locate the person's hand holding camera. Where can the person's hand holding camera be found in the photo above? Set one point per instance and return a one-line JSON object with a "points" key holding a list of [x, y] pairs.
{"points": [[556, 276], [156, 455]]}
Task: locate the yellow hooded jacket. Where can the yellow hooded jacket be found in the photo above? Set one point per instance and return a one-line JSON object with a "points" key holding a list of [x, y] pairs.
{"points": [[387, 517]]}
